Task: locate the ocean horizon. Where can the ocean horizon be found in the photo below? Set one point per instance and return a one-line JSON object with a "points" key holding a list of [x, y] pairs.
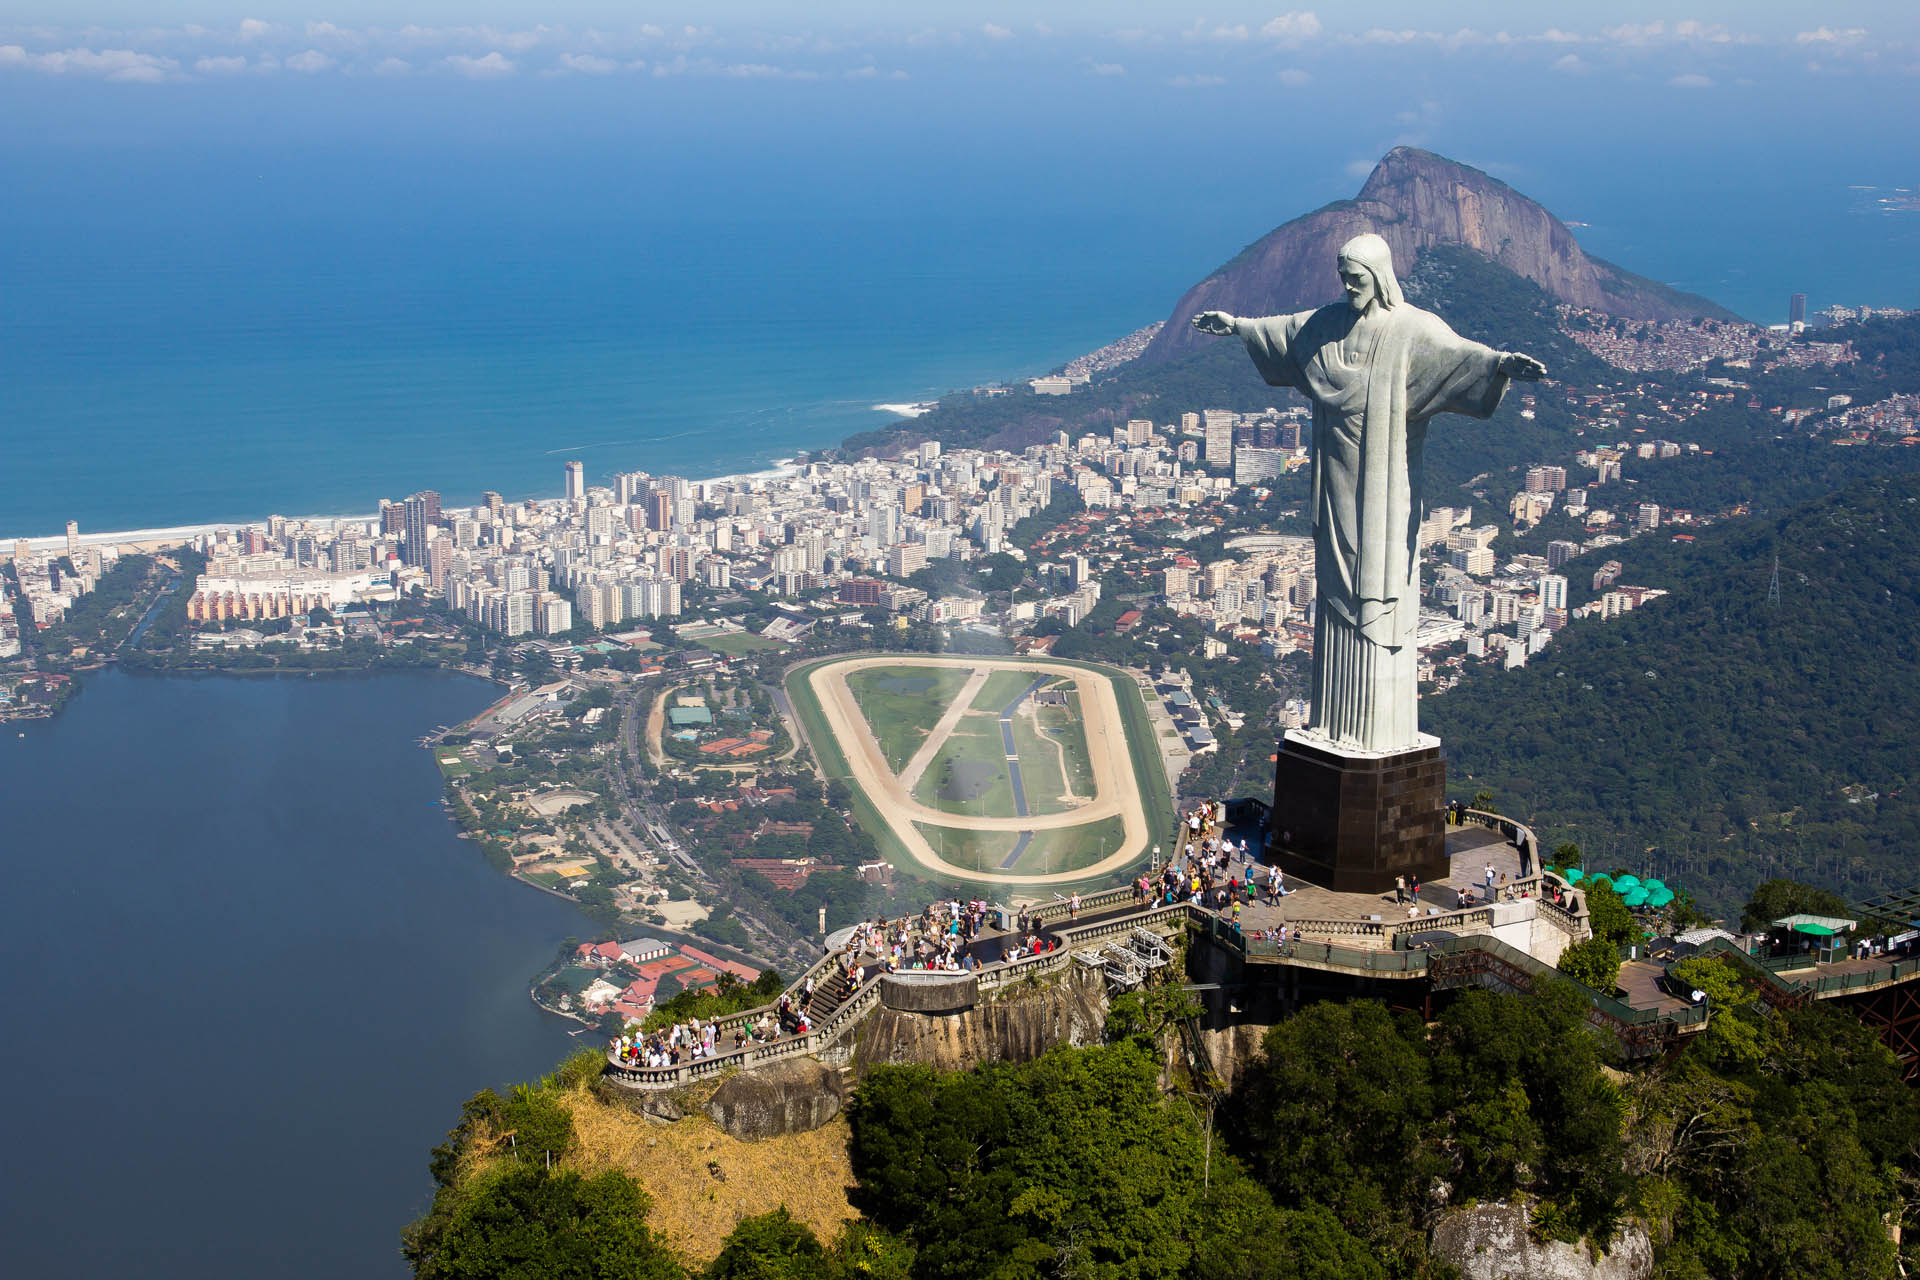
{"points": [[256, 336]]}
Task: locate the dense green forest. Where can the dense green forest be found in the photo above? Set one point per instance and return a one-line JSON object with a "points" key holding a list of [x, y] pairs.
{"points": [[1778, 1143], [1735, 738]]}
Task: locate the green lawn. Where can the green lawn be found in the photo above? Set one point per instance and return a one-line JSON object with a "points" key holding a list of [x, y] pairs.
{"points": [[902, 704], [974, 850], [1071, 848], [1059, 738], [1048, 852], [968, 774], [453, 766], [1001, 688], [735, 643]]}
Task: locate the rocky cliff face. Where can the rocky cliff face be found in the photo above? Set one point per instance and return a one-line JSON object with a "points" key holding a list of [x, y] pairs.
{"points": [[1414, 199], [1492, 1242], [1017, 1024]]}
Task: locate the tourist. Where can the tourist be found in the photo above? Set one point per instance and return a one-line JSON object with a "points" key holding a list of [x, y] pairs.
{"points": [[1400, 888], [1073, 906]]}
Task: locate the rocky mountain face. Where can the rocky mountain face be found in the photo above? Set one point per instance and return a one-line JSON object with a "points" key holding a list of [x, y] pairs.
{"points": [[1415, 199]]}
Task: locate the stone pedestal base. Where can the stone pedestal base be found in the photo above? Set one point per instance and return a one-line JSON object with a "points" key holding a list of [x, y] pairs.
{"points": [[1353, 820]]}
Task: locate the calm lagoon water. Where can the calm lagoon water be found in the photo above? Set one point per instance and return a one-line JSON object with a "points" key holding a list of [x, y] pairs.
{"points": [[250, 975]]}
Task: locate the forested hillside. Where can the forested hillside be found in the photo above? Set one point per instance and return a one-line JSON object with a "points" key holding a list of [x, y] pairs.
{"points": [[1776, 1143], [1739, 738]]}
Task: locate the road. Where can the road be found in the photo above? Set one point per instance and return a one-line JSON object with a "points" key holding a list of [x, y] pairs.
{"points": [[648, 821]]}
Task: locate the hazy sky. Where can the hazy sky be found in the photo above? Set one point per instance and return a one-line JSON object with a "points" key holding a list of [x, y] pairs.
{"points": [[1711, 45]]}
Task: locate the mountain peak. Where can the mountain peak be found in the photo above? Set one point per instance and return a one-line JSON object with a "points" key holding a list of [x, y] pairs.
{"points": [[1415, 199]]}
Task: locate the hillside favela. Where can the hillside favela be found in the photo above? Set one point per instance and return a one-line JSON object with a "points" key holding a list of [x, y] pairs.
{"points": [[736, 644]]}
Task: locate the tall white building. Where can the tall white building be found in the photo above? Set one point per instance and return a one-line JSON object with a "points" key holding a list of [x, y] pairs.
{"points": [[576, 481]]}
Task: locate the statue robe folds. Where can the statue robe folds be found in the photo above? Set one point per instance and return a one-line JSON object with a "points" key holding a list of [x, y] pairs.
{"points": [[1374, 380]]}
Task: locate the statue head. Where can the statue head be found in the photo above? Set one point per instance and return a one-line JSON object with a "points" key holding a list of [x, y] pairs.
{"points": [[1366, 273]]}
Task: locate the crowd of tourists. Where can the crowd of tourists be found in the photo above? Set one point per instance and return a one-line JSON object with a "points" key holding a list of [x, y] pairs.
{"points": [[1209, 869]]}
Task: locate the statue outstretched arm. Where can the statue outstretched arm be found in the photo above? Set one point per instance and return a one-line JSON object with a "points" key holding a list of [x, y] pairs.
{"points": [[1218, 323], [1519, 365]]}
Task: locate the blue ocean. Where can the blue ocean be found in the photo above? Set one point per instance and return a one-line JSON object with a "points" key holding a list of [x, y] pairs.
{"points": [[204, 318]]}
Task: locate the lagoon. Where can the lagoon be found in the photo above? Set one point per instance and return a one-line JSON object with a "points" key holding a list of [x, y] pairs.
{"points": [[250, 974]]}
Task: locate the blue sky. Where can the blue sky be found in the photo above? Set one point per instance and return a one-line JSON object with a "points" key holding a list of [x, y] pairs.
{"points": [[1701, 47]]}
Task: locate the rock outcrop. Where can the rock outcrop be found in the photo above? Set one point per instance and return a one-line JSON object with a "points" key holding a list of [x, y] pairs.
{"points": [[1014, 1024], [1491, 1242], [789, 1096], [1415, 199]]}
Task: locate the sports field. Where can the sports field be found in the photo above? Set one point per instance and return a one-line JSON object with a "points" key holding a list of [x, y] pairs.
{"points": [[1028, 772]]}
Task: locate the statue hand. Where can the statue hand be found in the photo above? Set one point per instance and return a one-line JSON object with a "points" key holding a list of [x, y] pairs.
{"points": [[1218, 323], [1516, 364]]}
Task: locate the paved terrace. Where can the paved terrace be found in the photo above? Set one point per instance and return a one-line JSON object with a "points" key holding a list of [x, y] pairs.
{"points": [[1312, 912]]}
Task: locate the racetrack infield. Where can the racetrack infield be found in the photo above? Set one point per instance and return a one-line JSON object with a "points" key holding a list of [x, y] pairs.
{"points": [[1122, 759]]}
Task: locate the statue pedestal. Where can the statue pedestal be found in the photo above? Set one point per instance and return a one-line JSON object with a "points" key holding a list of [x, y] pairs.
{"points": [[1353, 820]]}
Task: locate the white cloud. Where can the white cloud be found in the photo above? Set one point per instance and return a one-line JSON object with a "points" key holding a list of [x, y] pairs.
{"points": [[492, 66], [328, 33], [220, 66], [1711, 33], [1829, 35], [254, 29], [1197, 82], [1636, 32], [1107, 69], [993, 31], [1294, 78], [1692, 80], [310, 62], [585, 64], [1297, 25], [1571, 64], [112, 64], [392, 67]]}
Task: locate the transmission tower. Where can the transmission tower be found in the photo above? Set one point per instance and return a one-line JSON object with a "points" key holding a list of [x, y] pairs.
{"points": [[1773, 587]]}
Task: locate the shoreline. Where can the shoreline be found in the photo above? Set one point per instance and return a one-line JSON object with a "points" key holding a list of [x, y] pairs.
{"points": [[173, 535]]}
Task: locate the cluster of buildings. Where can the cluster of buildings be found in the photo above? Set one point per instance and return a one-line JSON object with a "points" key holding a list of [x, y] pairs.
{"points": [[1689, 344], [624, 977], [851, 532], [50, 583]]}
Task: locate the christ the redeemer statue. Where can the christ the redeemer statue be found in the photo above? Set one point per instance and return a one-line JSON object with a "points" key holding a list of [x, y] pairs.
{"points": [[1376, 369]]}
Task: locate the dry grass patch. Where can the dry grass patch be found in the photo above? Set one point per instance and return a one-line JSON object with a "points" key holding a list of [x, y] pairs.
{"points": [[695, 1210]]}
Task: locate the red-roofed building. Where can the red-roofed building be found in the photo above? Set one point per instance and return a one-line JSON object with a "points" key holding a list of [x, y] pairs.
{"points": [[786, 873], [603, 952], [746, 973]]}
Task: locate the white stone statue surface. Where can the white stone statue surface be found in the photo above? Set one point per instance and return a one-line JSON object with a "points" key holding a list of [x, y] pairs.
{"points": [[1376, 368]]}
